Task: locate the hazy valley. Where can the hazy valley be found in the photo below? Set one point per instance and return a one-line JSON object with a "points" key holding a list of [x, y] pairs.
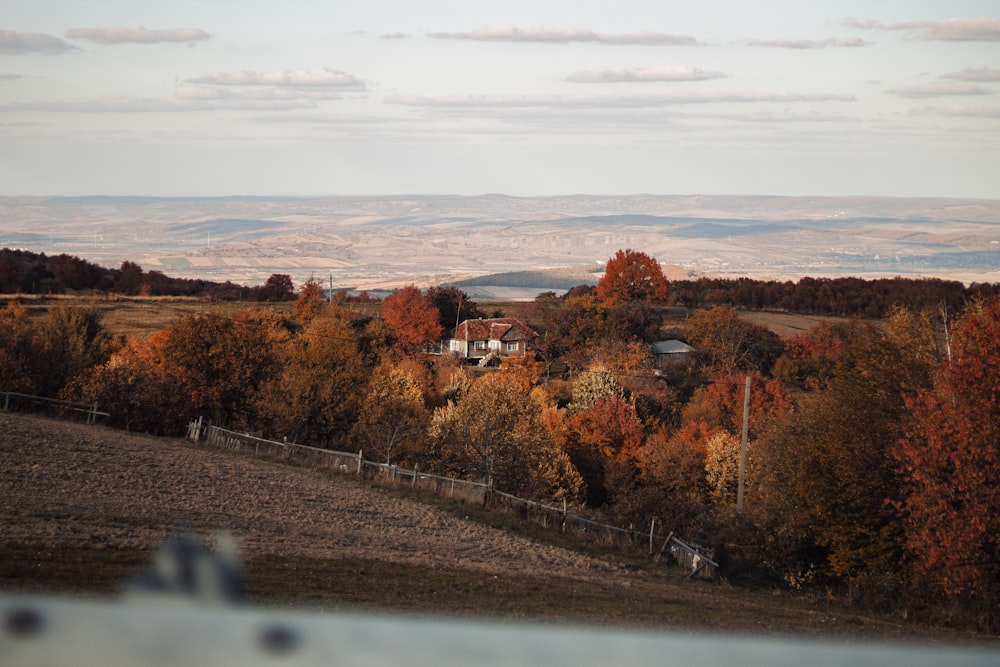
{"points": [[386, 241]]}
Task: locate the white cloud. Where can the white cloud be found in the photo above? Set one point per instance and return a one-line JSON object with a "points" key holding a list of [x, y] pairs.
{"points": [[322, 77], [507, 33], [189, 91], [974, 74], [11, 77], [982, 29], [17, 43], [597, 102], [394, 35], [960, 111], [154, 105], [137, 35], [846, 42], [939, 89], [630, 74]]}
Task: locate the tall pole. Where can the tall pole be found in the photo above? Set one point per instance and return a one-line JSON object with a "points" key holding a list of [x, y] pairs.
{"points": [[743, 447]]}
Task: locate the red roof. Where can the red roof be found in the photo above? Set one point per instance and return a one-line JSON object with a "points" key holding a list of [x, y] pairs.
{"points": [[499, 328]]}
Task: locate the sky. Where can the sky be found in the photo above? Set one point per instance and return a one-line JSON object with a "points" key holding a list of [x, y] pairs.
{"points": [[521, 97]]}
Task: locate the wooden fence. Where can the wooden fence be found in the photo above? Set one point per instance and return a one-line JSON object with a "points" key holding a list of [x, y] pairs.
{"points": [[695, 559], [15, 401]]}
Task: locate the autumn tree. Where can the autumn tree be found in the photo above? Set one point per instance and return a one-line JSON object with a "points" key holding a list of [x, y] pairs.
{"points": [[828, 466], [414, 321], [949, 457], [67, 341], [278, 287], [309, 303], [17, 349], [392, 417], [225, 359], [140, 391], [315, 396], [567, 326], [494, 433], [728, 344], [454, 306], [633, 276]]}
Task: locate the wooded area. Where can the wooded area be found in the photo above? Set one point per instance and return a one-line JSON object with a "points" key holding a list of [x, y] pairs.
{"points": [[872, 446]]}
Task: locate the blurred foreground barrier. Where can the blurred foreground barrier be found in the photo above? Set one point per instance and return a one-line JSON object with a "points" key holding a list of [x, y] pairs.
{"points": [[57, 632], [184, 612]]}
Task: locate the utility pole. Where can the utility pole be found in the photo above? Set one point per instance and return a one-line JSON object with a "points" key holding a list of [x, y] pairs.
{"points": [[743, 447]]}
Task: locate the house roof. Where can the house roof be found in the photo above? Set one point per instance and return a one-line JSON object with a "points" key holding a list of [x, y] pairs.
{"points": [[498, 328], [670, 347]]}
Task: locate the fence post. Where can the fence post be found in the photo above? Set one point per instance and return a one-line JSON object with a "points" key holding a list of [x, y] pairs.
{"points": [[413, 482], [6, 401], [359, 461], [651, 525]]}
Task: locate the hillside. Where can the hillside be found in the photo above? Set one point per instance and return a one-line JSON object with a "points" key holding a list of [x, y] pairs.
{"points": [[83, 508]]}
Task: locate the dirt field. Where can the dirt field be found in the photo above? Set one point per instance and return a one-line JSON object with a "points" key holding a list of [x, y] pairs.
{"points": [[83, 508]]}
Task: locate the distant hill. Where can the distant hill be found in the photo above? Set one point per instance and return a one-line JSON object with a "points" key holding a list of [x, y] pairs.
{"points": [[387, 241]]}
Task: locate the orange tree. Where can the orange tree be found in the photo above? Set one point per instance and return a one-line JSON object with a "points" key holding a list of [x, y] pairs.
{"points": [[633, 276], [315, 395], [412, 318], [950, 460]]}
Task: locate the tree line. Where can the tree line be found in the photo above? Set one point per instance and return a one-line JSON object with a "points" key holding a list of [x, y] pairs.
{"points": [[872, 447], [26, 272]]}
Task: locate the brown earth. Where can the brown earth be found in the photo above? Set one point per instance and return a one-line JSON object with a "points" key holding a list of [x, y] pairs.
{"points": [[82, 508]]}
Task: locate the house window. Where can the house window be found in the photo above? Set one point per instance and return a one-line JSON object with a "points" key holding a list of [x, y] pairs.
{"points": [[480, 345], [512, 347]]}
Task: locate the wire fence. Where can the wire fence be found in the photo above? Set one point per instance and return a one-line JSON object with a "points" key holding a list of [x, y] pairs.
{"points": [[697, 560]]}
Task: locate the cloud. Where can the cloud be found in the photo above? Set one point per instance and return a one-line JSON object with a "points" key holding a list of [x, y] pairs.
{"points": [[959, 111], [846, 42], [598, 102], [322, 77], [17, 43], [155, 105], [644, 74], [137, 35], [939, 89], [191, 91], [564, 36], [394, 35], [974, 74], [983, 29], [11, 77]]}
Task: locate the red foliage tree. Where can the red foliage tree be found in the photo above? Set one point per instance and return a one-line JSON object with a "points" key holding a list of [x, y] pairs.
{"points": [[633, 276], [413, 319], [950, 459]]}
